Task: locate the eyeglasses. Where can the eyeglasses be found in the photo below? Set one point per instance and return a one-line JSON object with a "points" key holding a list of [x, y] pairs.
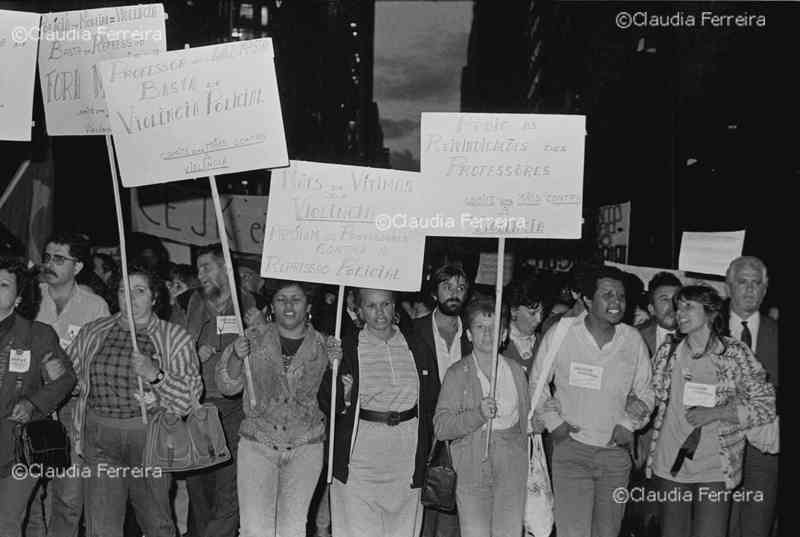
{"points": [[56, 258]]}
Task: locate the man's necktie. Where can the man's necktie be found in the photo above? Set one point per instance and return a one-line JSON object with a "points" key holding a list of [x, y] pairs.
{"points": [[747, 337]]}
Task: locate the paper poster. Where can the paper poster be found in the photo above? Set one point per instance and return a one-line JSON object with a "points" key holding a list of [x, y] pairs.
{"points": [[71, 46], [487, 268], [189, 218], [328, 223], [195, 112], [613, 231], [710, 253], [18, 42], [510, 175]]}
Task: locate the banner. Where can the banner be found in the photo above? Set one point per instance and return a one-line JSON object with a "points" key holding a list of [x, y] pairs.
{"points": [[509, 175], [487, 268], [709, 253], [18, 58], [195, 112], [72, 43], [328, 223], [613, 231], [189, 218]]}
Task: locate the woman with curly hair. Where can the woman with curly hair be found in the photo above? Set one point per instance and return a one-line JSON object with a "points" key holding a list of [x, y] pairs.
{"points": [[709, 388]]}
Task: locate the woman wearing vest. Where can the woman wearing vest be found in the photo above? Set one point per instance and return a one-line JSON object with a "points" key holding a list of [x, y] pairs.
{"points": [[282, 437], [490, 494]]}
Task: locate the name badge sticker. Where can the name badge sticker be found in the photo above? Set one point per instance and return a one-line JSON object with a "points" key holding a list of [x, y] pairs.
{"points": [[585, 376], [699, 394], [19, 361], [226, 324]]}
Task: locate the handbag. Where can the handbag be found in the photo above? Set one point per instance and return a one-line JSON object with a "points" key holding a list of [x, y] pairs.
{"points": [[539, 500], [42, 442], [175, 444], [439, 487]]}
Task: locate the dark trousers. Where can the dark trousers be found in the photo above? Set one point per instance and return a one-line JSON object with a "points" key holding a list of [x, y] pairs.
{"points": [[754, 515], [213, 501], [693, 509], [438, 524]]}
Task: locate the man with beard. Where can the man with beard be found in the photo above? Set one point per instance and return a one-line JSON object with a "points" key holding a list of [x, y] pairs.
{"points": [[600, 365], [66, 306], [208, 317], [443, 333]]}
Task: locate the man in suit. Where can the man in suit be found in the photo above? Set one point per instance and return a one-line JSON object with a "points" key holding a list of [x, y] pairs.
{"points": [[660, 290], [747, 280], [443, 333]]}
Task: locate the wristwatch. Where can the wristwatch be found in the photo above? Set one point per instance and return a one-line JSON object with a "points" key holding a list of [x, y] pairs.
{"points": [[158, 378]]}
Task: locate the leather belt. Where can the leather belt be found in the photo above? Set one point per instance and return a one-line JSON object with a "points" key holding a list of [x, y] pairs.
{"points": [[389, 418]]}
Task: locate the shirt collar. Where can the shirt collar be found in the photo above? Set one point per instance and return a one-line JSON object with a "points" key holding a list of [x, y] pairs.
{"points": [[436, 328], [752, 322]]}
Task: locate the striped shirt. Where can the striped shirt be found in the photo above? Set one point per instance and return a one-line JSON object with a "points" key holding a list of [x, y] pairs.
{"points": [[181, 387], [388, 379]]}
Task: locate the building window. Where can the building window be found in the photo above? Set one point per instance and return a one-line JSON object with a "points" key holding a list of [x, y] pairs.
{"points": [[246, 11]]}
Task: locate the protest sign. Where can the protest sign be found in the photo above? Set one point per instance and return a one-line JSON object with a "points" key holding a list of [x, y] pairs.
{"points": [[195, 112], [18, 58], [613, 231], [72, 43], [487, 268], [188, 218], [328, 223], [508, 175], [709, 253]]}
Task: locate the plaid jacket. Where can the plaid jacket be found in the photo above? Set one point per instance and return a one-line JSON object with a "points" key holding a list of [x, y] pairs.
{"points": [[741, 379], [180, 390]]}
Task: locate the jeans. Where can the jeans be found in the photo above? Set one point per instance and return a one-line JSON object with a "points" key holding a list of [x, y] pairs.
{"points": [[584, 480], [113, 451], [14, 497], [693, 509], [213, 505], [755, 514], [275, 488]]}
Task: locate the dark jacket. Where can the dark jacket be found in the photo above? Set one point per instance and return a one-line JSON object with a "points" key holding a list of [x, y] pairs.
{"points": [[423, 327], [346, 416], [40, 340]]}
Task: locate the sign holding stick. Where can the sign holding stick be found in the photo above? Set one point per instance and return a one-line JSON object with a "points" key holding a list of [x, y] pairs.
{"points": [[14, 180], [124, 263], [232, 283], [498, 303], [334, 385]]}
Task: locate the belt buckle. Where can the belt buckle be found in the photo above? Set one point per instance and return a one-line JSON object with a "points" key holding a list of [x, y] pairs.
{"points": [[393, 419]]}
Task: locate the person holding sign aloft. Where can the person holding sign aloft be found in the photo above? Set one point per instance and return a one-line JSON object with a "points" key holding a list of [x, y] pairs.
{"points": [[709, 388], [490, 493], [110, 432], [29, 353], [281, 440], [386, 395]]}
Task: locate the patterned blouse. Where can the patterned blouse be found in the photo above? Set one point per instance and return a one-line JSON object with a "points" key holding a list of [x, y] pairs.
{"points": [[741, 379]]}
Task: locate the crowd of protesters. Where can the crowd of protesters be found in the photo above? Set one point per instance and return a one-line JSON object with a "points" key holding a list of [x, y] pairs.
{"points": [[658, 389]]}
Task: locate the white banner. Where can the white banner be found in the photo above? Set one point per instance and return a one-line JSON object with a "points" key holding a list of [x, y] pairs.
{"points": [[195, 112], [18, 58], [71, 45], [328, 223], [613, 233], [510, 175], [190, 219], [709, 253]]}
